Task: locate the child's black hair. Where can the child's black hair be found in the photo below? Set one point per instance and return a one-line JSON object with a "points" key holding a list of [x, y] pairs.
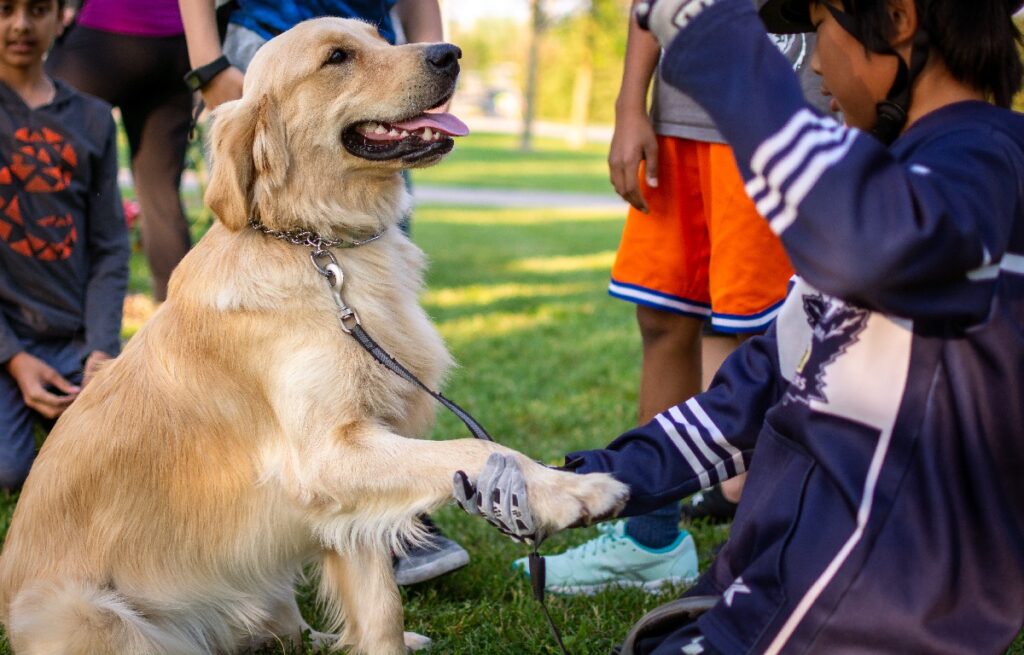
{"points": [[978, 40]]}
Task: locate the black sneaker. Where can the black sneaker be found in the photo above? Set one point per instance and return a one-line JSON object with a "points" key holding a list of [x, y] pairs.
{"points": [[710, 505], [439, 555]]}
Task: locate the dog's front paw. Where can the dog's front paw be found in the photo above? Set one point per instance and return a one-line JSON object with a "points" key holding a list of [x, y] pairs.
{"points": [[562, 500], [529, 501]]}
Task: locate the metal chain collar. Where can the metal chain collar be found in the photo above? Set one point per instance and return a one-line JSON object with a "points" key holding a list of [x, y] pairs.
{"points": [[318, 243]]}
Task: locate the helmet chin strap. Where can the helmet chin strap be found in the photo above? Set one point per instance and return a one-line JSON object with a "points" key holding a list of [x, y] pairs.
{"points": [[892, 113]]}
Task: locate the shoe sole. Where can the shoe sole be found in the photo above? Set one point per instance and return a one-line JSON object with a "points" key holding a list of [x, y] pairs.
{"points": [[437, 567], [651, 587]]}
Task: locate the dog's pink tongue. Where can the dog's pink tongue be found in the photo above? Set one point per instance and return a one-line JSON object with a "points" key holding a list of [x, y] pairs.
{"points": [[441, 122]]}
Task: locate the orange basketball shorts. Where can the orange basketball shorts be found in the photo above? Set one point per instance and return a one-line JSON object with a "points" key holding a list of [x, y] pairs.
{"points": [[703, 250]]}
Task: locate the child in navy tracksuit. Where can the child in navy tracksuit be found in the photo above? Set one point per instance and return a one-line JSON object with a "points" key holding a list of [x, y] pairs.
{"points": [[884, 410]]}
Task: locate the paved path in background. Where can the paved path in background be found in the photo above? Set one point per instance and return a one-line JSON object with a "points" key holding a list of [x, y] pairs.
{"points": [[515, 198]]}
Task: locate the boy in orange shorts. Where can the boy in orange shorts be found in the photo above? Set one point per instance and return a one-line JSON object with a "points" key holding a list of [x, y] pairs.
{"points": [[694, 249]]}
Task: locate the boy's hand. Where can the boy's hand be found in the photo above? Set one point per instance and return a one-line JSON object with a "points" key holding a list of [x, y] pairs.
{"points": [[33, 375], [93, 363], [633, 141]]}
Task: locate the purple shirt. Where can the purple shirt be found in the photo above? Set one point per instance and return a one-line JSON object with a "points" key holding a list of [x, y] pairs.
{"points": [[150, 18]]}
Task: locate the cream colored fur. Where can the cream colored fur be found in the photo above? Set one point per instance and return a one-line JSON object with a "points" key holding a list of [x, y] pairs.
{"points": [[241, 435]]}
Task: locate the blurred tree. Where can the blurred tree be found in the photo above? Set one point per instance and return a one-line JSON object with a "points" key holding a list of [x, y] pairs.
{"points": [[585, 50], [537, 25], [567, 58]]}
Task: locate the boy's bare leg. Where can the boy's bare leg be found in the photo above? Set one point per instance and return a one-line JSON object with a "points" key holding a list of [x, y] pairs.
{"points": [[714, 350], [671, 368]]}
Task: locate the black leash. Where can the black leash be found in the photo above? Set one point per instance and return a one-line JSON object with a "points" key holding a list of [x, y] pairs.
{"points": [[537, 580], [351, 326], [385, 358]]}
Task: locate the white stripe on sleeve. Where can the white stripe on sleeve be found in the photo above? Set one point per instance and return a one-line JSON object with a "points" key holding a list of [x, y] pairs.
{"points": [[691, 459], [716, 435], [698, 440], [810, 175], [796, 160]]}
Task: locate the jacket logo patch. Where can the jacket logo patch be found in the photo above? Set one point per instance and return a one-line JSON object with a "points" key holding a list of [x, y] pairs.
{"points": [[835, 326]]}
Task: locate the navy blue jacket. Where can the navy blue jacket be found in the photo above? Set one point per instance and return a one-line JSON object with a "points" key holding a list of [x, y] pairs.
{"points": [[884, 411]]}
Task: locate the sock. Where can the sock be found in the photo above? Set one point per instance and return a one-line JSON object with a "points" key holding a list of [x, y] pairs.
{"points": [[656, 529]]}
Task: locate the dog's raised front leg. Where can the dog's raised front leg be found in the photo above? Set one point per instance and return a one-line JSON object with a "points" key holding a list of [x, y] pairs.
{"points": [[386, 480]]}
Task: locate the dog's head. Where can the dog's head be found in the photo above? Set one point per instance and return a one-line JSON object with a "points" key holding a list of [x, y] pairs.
{"points": [[329, 113]]}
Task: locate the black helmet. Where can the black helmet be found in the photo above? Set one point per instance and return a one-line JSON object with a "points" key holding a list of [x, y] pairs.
{"points": [[794, 16], [787, 16]]}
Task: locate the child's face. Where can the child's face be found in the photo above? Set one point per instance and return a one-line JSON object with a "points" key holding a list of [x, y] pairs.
{"points": [[27, 29], [856, 79]]}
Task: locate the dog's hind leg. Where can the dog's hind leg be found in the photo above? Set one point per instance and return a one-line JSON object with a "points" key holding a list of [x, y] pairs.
{"points": [[286, 625], [73, 618], [359, 591]]}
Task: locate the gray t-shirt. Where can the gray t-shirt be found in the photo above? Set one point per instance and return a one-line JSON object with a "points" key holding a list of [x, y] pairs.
{"points": [[676, 114]]}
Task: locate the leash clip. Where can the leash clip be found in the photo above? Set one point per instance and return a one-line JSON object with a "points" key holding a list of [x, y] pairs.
{"points": [[336, 278], [347, 316]]}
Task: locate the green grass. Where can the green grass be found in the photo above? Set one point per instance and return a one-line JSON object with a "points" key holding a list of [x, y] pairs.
{"points": [[495, 161]]}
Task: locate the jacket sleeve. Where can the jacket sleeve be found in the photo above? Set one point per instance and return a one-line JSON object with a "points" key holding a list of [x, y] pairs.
{"points": [[699, 443], [10, 345], [856, 223], [108, 255]]}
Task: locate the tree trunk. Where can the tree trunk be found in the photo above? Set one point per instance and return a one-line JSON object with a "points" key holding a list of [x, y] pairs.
{"points": [[582, 87], [530, 92]]}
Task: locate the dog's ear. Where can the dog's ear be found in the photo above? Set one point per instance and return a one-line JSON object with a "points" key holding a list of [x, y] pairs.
{"points": [[270, 147], [248, 143], [229, 193]]}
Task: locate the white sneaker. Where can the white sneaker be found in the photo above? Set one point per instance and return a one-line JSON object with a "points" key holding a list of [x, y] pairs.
{"points": [[614, 559]]}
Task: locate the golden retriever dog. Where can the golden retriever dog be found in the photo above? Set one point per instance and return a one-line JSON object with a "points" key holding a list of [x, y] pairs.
{"points": [[242, 434]]}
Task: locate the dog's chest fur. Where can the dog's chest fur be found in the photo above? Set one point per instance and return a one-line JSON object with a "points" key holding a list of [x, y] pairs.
{"points": [[307, 355]]}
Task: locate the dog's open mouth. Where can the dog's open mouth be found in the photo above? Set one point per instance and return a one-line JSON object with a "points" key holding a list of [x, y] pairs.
{"points": [[420, 137]]}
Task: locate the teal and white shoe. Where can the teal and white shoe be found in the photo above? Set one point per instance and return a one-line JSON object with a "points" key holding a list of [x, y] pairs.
{"points": [[614, 559]]}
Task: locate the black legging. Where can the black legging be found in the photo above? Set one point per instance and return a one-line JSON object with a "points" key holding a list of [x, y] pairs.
{"points": [[142, 76]]}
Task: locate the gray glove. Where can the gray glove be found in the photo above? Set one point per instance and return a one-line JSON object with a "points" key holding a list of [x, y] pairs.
{"points": [[500, 497], [665, 18]]}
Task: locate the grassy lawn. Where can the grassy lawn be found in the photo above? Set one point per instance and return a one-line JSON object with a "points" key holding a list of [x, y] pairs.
{"points": [[494, 160]]}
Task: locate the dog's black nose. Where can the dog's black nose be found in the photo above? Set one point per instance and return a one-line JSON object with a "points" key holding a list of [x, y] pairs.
{"points": [[443, 58]]}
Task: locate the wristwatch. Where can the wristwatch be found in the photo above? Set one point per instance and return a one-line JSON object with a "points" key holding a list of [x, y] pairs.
{"points": [[199, 77]]}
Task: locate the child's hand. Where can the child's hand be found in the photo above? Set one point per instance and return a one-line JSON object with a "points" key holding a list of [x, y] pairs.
{"points": [[633, 141], [93, 363], [33, 376]]}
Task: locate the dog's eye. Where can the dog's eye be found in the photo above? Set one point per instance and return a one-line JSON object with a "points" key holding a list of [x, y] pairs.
{"points": [[337, 56]]}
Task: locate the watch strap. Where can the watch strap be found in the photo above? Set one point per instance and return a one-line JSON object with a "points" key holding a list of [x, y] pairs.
{"points": [[199, 77]]}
